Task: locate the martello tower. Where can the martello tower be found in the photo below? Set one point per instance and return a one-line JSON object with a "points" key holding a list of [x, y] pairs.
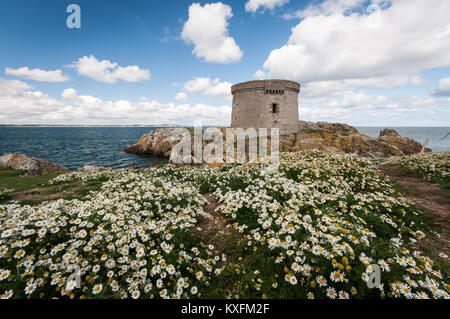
{"points": [[266, 104]]}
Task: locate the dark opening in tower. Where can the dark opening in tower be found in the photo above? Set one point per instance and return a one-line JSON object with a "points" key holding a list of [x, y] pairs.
{"points": [[275, 108]]}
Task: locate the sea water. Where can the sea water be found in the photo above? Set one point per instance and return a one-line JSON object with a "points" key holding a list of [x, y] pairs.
{"points": [[75, 147]]}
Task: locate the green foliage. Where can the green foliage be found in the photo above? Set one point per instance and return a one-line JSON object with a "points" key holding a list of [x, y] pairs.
{"points": [[15, 179]]}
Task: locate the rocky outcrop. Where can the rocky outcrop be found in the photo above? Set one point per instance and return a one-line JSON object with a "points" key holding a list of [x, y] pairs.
{"points": [[333, 137], [406, 145], [32, 165], [350, 141], [329, 127], [389, 132], [158, 142]]}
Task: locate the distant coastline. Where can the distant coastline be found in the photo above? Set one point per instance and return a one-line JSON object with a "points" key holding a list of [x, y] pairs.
{"points": [[49, 125]]}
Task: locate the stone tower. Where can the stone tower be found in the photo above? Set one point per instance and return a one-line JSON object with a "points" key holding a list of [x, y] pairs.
{"points": [[266, 104]]}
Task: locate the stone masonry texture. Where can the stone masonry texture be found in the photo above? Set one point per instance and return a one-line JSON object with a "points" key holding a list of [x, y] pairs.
{"points": [[266, 104]]}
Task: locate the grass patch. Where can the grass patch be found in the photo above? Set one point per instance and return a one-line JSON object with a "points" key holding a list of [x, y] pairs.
{"points": [[37, 187], [15, 179]]}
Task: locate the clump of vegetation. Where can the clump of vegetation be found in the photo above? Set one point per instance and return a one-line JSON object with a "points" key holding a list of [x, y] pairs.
{"points": [[4, 193]]}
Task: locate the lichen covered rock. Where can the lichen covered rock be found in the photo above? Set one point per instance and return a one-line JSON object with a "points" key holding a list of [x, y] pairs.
{"points": [[346, 139], [32, 165]]}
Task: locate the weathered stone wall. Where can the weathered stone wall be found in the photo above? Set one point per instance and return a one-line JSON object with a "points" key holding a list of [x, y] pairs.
{"points": [[253, 105]]}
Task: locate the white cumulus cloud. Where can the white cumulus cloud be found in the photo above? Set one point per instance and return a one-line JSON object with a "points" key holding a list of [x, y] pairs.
{"points": [[37, 74], [339, 87], [260, 74], [107, 71], [181, 96], [254, 5], [207, 29], [401, 42], [443, 88], [208, 86], [360, 108], [328, 7], [18, 101], [20, 104]]}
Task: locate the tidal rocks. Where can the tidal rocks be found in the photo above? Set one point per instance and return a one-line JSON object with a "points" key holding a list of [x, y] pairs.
{"points": [[32, 165]]}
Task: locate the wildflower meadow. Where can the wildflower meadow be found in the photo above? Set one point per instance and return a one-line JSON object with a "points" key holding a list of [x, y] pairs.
{"points": [[317, 227]]}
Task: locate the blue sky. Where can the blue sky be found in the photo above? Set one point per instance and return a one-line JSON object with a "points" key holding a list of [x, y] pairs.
{"points": [[375, 63]]}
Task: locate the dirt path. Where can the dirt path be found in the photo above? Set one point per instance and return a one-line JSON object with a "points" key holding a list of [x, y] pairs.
{"points": [[221, 234], [429, 196], [217, 224]]}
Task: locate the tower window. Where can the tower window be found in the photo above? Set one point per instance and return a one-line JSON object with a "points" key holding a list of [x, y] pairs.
{"points": [[275, 108]]}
